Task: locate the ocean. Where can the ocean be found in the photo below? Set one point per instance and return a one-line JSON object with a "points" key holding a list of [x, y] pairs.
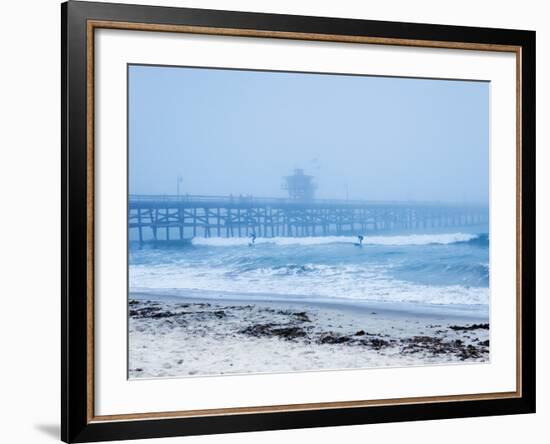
{"points": [[444, 271]]}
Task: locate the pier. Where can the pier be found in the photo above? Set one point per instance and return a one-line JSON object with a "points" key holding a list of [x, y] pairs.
{"points": [[165, 217]]}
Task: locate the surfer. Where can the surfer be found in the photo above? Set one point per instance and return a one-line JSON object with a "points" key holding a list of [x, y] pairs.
{"points": [[252, 240], [360, 243]]}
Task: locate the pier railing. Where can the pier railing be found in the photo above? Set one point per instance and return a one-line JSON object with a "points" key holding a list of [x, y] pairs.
{"points": [[197, 199]]}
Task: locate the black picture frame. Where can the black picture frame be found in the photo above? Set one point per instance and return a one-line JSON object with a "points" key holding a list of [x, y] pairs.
{"points": [[76, 423]]}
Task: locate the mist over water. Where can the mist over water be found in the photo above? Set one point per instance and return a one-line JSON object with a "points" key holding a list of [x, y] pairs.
{"points": [[239, 132]]}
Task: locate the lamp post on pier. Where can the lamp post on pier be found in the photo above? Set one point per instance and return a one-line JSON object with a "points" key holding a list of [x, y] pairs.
{"points": [[178, 181]]}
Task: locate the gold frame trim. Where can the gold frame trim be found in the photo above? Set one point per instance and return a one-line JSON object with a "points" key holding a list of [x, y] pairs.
{"points": [[92, 25]]}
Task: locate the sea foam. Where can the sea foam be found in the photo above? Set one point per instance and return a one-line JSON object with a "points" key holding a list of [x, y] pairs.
{"points": [[314, 283]]}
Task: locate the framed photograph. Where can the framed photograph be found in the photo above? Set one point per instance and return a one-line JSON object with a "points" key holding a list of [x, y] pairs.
{"points": [[275, 221]]}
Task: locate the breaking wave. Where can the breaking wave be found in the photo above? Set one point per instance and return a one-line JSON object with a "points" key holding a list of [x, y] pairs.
{"points": [[412, 239]]}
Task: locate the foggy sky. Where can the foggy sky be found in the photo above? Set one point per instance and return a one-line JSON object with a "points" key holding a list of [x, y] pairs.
{"points": [[239, 132]]}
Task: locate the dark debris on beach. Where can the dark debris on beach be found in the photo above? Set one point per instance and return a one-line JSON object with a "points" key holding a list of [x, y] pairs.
{"points": [[274, 330], [438, 346], [291, 325], [469, 327]]}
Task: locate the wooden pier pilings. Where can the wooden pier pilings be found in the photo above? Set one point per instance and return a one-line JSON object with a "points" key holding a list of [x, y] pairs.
{"points": [[181, 217]]}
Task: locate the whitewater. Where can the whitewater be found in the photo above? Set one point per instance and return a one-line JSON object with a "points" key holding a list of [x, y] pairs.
{"points": [[443, 269]]}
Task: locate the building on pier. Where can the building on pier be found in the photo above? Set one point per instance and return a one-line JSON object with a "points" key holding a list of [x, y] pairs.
{"points": [[300, 186]]}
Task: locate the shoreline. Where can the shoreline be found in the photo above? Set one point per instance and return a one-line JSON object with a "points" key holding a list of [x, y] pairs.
{"points": [[177, 336], [459, 311]]}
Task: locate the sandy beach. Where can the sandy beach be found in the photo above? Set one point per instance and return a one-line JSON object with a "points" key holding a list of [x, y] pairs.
{"points": [[194, 336]]}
